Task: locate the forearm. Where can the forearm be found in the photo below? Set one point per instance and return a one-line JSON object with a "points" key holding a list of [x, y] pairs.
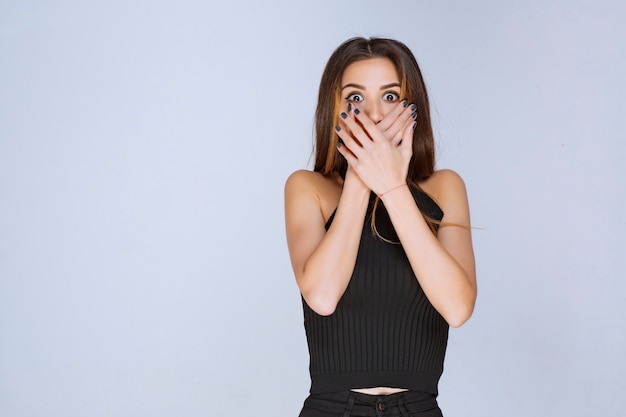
{"points": [[326, 273], [448, 286]]}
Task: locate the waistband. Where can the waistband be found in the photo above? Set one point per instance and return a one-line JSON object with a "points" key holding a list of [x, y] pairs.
{"points": [[348, 403]]}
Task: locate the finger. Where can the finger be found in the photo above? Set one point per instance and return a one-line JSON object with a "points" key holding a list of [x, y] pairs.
{"points": [[369, 126], [406, 144], [346, 114], [406, 118], [347, 140], [357, 132], [391, 117], [342, 129], [397, 139], [343, 150]]}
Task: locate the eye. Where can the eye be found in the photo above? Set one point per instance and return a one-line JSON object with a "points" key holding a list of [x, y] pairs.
{"points": [[354, 97], [390, 96]]}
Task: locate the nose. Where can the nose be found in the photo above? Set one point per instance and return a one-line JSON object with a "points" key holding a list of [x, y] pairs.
{"points": [[374, 111]]}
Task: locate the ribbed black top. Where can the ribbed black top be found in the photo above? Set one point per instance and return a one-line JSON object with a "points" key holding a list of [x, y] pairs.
{"points": [[384, 331]]}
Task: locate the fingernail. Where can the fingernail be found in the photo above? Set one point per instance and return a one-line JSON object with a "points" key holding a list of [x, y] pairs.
{"points": [[343, 115], [414, 107], [414, 115], [349, 106], [357, 111], [414, 125], [405, 103], [337, 128], [339, 144]]}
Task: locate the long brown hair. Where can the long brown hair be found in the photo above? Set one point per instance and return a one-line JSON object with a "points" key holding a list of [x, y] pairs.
{"points": [[328, 161]]}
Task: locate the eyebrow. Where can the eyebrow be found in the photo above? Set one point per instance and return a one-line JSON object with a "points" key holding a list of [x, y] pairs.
{"points": [[360, 87]]}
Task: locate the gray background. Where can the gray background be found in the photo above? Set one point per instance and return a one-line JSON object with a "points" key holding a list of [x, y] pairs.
{"points": [[144, 146]]}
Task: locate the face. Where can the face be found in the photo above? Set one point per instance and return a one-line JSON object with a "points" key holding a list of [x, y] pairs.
{"points": [[372, 85]]}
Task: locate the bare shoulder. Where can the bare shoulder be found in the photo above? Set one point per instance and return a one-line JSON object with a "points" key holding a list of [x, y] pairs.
{"points": [[308, 182], [313, 188], [447, 188], [443, 184], [303, 178]]}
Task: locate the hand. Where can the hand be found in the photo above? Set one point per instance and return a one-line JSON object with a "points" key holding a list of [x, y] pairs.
{"points": [[394, 123], [379, 157]]}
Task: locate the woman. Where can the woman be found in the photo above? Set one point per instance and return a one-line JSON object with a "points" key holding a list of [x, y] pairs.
{"points": [[379, 241]]}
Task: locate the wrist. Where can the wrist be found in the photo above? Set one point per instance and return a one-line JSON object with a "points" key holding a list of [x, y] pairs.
{"points": [[396, 201], [391, 190], [355, 188], [354, 182]]}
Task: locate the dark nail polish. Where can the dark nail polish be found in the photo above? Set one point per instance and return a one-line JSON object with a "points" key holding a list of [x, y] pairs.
{"points": [[343, 115], [414, 107], [357, 111], [414, 125], [339, 144], [337, 128], [405, 103], [349, 106], [414, 115]]}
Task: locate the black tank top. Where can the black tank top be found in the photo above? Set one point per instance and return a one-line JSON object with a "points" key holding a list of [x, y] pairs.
{"points": [[384, 331]]}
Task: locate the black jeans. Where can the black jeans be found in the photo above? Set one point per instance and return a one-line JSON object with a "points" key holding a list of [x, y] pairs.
{"points": [[353, 404]]}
